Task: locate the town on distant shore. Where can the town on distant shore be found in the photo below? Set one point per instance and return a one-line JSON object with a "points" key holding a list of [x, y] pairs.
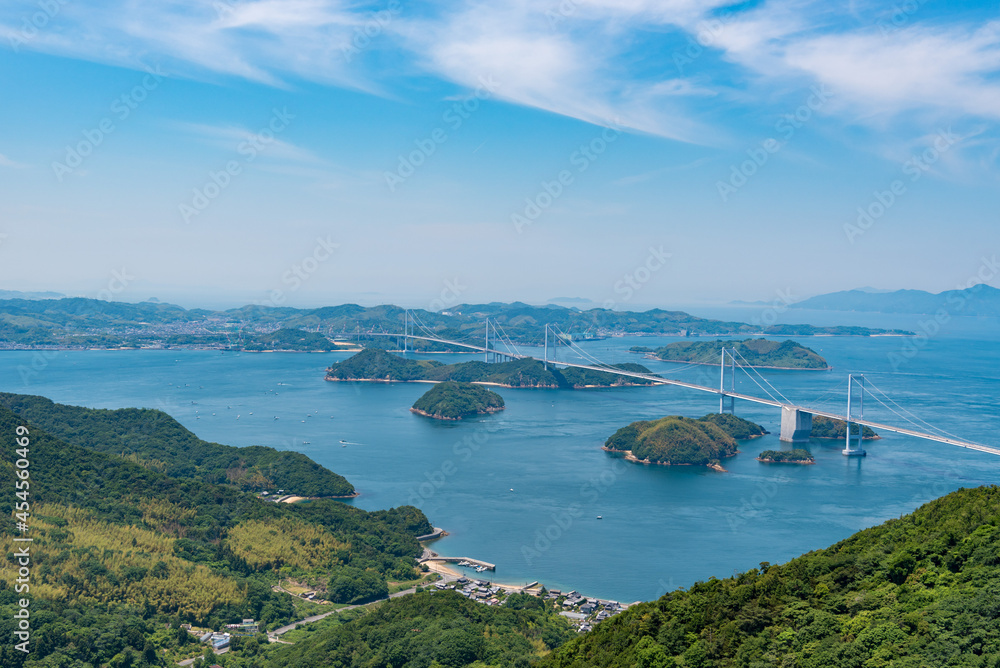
{"points": [[80, 323]]}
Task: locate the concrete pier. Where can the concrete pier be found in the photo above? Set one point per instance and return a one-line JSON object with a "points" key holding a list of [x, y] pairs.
{"points": [[456, 560], [796, 425]]}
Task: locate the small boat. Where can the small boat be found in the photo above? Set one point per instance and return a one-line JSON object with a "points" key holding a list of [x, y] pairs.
{"points": [[599, 517], [305, 442]]}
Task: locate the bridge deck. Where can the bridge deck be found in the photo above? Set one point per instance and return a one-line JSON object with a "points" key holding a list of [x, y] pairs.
{"points": [[714, 390]]}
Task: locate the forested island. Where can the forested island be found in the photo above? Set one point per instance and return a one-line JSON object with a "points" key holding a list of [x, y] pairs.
{"points": [[756, 352], [824, 427], [794, 456], [681, 441], [376, 364], [452, 400]]}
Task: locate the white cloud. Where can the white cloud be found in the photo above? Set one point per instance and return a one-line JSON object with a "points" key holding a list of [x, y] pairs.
{"points": [[920, 67], [230, 137], [7, 162], [600, 61]]}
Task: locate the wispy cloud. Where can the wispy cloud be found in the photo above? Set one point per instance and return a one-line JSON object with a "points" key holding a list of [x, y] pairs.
{"points": [[600, 61], [230, 137], [7, 162]]}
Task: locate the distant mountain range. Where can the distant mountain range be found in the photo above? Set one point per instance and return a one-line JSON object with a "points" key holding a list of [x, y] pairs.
{"points": [[979, 300]]}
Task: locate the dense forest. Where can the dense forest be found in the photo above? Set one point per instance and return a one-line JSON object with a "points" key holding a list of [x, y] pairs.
{"points": [[824, 427], [451, 400], [794, 456], [155, 440], [122, 554], [377, 364], [919, 591], [676, 440], [441, 629], [754, 352]]}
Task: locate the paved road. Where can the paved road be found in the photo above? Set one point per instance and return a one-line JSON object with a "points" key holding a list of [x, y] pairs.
{"points": [[276, 633]]}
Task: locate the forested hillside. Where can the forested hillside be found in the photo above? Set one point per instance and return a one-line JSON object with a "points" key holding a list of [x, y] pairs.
{"points": [[123, 554], [155, 440], [920, 591]]}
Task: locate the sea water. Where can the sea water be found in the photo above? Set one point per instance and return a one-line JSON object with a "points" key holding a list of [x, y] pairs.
{"points": [[523, 488]]}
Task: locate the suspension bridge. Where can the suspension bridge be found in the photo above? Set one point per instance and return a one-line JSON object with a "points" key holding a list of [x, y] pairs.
{"points": [[796, 420]]}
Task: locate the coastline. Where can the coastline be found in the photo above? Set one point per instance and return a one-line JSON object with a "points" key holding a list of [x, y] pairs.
{"points": [[785, 461], [488, 411], [628, 456], [446, 571], [487, 383], [650, 356]]}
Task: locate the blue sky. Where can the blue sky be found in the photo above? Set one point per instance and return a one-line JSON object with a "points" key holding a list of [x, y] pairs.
{"points": [[630, 152]]}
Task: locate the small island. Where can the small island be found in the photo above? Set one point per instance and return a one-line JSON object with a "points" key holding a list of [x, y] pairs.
{"points": [[796, 456], [759, 353], [824, 427], [452, 400], [681, 441]]}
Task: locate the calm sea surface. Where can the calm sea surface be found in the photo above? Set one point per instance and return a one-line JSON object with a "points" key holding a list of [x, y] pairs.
{"points": [[523, 488]]}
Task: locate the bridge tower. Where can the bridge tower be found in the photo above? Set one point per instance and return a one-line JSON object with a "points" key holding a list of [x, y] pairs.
{"points": [[849, 449], [727, 402], [545, 353], [497, 356], [406, 330]]}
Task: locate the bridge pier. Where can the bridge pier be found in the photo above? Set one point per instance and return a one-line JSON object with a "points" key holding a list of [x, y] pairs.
{"points": [[796, 425]]}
